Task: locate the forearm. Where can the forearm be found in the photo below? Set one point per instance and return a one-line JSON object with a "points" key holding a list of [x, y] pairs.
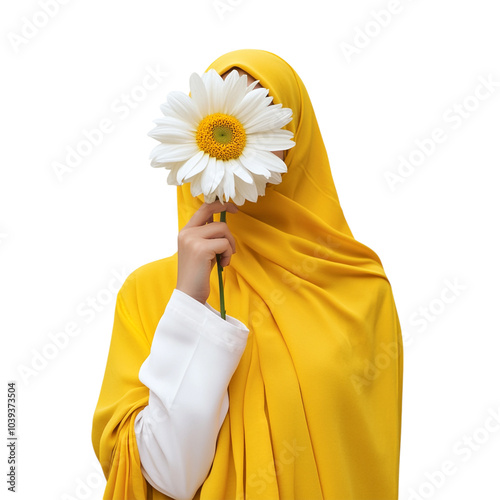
{"points": [[193, 357]]}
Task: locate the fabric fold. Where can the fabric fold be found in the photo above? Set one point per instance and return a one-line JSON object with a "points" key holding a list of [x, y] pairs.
{"points": [[316, 400]]}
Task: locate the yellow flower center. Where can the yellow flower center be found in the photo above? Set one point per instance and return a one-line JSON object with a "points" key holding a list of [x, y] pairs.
{"points": [[221, 136]]}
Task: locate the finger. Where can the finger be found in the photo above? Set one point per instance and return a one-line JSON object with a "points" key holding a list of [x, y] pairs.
{"points": [[216, 230], [220, 247], [229, 206], [225, 261], [214, 260], [203, 214]]}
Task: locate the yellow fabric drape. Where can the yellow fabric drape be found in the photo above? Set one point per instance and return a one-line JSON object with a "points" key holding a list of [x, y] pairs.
{"points": [[315, 403]]}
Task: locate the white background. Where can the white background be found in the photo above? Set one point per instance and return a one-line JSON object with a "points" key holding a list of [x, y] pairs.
{"points": [[67, 239]]}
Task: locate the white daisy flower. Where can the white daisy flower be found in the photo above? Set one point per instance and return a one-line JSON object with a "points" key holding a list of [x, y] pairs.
{"points": [[221, 138]]}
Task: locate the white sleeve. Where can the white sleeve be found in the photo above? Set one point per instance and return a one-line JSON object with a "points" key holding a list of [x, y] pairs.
{"points": [[193, 356]]}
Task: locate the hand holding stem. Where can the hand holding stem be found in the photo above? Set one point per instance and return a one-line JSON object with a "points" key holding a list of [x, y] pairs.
{"points": [[201, 243]]}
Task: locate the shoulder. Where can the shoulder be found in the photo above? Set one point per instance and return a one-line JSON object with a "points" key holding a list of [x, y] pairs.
{"points": [[147, 290], [152, 274]]}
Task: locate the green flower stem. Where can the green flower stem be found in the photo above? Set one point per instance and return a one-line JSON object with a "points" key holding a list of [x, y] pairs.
{"points": [[219, 270]]}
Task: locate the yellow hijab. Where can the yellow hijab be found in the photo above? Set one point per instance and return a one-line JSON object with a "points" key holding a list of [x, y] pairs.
{"points": [[315, 403]]}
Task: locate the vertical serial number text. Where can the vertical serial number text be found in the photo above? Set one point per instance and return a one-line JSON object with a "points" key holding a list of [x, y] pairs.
{"points": [[11, 436]]}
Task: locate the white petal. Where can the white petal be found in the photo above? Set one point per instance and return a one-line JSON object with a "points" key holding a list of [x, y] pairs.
{"points": [[240, 171], [252, 86], [183, 106], [172, 121], [238, 199], [220, 170], [248, 190], [229, 189], [173, 152], [231, 80], [208, 75], [275, 140], [212, 175], [171, 179], [167, 109], [270, 161], [275, 178], [235, 88], [209, 198], [199, 93], [207, 176], [268, 119], [173, 165], [192, 166], [196, 186], [260, 183], [218, 192], [252, 104], [251, 163], [214, 85], [172, 135]]}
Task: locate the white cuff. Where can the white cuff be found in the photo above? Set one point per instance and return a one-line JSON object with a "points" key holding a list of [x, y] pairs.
{"points": [[193, 356]]}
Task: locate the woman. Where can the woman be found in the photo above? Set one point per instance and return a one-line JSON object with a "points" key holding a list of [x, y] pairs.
{"points": [[298, 395]]}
